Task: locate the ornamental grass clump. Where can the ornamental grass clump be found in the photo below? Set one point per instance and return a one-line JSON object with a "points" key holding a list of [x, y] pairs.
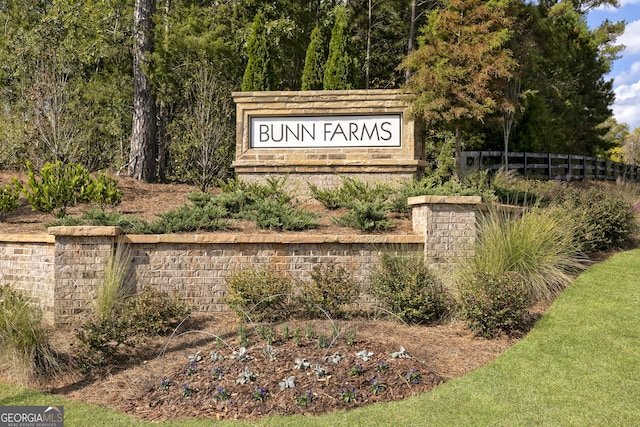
{"points": [[24, 342], [118, 283], [537, 246]]}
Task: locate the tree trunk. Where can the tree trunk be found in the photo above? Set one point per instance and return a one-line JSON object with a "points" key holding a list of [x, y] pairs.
{"points": [[412, 35], [457, 173], [142, 157], [164, 109], [367, 66]]}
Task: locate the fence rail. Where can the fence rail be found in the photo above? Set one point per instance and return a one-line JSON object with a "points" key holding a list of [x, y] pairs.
{"points": [[552, 166]]}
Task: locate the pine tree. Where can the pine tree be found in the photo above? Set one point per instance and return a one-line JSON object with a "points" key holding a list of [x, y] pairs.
{"points": [[258, 76], [338, 74], [314, 62]]}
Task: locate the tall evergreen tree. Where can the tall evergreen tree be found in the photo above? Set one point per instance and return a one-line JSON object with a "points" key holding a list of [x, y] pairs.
{"points": [[338, 73], [314, 63], [458, 72], [569, 99], [259, 74]]}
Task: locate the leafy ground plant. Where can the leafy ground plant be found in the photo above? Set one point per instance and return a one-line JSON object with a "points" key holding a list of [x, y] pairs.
{"points": [[9, 196]]}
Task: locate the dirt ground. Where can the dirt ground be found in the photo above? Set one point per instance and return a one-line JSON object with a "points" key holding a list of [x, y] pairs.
{"points": [[158, 382]]}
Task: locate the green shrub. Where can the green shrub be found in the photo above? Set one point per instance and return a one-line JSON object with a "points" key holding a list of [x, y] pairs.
{"points": [[187, 218], [352, 190], [367, 216], [275, 215], [24, 342], [272, 188], [152, 312], [604, 219], [259, 294], [403, 284], [537, 246], [99, 340], [330, 289], [474, 185], [99, 217], [331, 199], [105, 191], [492, 304], [9, 196], [61, 186]]}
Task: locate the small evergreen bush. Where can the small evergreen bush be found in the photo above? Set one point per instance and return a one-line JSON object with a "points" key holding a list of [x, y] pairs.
{"points": [[105, 191], [367, 216], [492, 304], [99, 217], [188, 218], [331, 199], [259, 294], [275, 215], [330, 289], [272, 188], [352, 190], [403, 284], [152, 312], [61, 186]]}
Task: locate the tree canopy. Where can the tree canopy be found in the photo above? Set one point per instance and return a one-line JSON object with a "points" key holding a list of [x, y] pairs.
{"points": [[493, 73]]}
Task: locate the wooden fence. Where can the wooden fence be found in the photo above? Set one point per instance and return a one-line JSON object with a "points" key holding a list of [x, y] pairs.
{"points": [[552, 166]]}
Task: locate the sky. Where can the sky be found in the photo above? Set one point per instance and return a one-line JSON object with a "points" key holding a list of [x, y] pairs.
{"points": [[626, 70]]}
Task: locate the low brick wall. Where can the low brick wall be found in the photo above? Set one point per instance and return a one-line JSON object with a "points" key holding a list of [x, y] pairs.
{"points": [[72, 263], [62, 270], [27, 264]]}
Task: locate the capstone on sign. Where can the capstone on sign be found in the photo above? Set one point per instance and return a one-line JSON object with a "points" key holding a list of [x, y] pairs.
{"points": [[337, 131]]}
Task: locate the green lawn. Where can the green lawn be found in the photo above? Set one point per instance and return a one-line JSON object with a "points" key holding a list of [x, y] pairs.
{"points": [[580, 366]]}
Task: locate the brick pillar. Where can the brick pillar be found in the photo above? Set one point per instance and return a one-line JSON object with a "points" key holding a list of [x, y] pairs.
{"points": [[81, 255], [448, 224]]}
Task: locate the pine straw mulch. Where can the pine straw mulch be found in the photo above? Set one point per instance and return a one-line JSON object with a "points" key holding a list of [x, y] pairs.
{"points": [[210, 389], [437, 353]]}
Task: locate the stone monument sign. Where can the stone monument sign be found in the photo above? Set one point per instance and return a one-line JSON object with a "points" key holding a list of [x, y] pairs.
{"points": [[318, 136]]}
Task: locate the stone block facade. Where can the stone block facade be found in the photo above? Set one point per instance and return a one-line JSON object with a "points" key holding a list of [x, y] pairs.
{"points": [[319, 165]]}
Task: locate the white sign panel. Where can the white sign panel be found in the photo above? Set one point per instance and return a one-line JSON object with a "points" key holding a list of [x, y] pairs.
{"points": [[326, 131]]}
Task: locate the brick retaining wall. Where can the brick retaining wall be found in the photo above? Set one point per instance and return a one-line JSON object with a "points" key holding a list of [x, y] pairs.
{"points": [[62, 270]]}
